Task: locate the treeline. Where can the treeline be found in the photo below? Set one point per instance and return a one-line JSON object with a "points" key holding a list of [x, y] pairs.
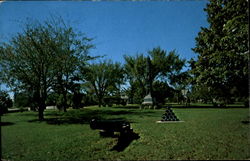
{"points": [[49, 63], [100, 80]]}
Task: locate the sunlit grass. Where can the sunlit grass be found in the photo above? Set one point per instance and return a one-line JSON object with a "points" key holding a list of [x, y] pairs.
{"points": [[204, 134]]}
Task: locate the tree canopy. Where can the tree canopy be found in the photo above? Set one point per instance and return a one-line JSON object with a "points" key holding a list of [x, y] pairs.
{"points": [[223, 49], [41, 56], [165, 67], [104, 77]]}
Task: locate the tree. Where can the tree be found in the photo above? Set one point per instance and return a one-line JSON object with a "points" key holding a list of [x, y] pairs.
{"points": [[165, 67], [223, 49], [135, 70], [5, 102], [103, 77], [22, 99], [33, 58], [73, 51], [51, 99], [162, 91]]}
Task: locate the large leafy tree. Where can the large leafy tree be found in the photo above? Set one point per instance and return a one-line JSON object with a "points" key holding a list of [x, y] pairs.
{"points": [[38, 57], [164, 67], [73, 52], [103, 77], [223, 49], [135, 69]]}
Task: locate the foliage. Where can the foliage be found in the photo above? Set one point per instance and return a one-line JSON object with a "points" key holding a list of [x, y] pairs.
{"points": [[73, 48], [41, 56], [5, 102], [162, 91], [22, 99], [135, 69], [223, 49], [165, 67], [104, 77], [77, 100], [110, 100], [51, 99], [89, 99]]}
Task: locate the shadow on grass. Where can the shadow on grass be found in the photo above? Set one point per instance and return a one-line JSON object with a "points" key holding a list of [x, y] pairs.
{"points": [[6, 123], [30, 113], [202, 106], [84, 116], [128, 107], [245, 122], [124, 141]]}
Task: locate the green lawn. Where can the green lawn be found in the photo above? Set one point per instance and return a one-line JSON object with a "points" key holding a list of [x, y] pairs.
{"points": [[204, 134]]}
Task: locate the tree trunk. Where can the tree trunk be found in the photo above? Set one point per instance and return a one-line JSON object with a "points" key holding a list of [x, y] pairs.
{"points": [[64, 102], [41, 108], [99, 101], [40, 114], [41, 104]]}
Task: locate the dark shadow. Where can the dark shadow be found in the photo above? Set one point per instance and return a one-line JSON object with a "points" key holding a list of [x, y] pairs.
{"points": [[245, 122], [128, 107], [30, 113], [6, 123], [35, 120], [203, 107], [124, 140], [110, 128], [113, 119], [83, 116], [81, 119]]}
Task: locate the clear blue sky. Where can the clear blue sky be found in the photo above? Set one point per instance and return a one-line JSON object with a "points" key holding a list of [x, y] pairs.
{"points": [[118, 27]]}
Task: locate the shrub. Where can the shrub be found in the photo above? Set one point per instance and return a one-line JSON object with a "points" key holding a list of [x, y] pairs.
{"points": [[5, 102]]}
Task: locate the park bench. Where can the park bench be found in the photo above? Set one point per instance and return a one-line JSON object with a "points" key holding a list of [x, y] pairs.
{"points": [[108, 127]]}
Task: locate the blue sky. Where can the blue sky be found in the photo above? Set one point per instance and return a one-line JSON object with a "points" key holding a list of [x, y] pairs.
{"points": [[118, 28]]}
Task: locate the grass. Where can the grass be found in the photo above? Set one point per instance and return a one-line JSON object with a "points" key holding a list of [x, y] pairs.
{"points": [[204, 105], [204, 134]]}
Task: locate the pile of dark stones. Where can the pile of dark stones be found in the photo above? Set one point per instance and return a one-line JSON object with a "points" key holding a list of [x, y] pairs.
{"points": [[169, 115]]}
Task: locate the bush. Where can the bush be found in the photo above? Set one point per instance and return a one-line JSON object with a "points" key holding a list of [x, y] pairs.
{"points": [[59, 102], [161, 91], [77, 100], [89, 99], [51, 99], [5, 102], [246, 102], [22, 99]]}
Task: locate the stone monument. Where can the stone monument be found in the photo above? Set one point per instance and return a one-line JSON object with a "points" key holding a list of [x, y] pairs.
{"points": [[148, 100]]}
